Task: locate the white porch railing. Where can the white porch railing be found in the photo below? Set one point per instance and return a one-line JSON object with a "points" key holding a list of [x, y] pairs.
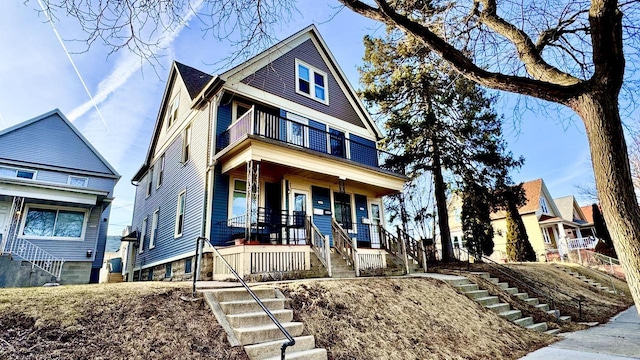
{"points": [[582, 243], [371, 259], [256, 259], [320, 246], [35, 255]]}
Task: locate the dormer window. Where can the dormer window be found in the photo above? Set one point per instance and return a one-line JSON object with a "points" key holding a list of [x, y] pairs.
{"points": [[311, 82], [172, 110]]}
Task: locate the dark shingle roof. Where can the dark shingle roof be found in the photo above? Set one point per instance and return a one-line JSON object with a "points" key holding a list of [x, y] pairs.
{"points": [[194, 79]]}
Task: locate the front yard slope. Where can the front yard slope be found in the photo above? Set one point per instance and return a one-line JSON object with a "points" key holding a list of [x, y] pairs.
{"points": [[140, 320], [408, 318]]}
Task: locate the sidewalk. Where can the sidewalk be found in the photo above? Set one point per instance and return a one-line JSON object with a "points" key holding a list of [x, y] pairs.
{"points": [[619, 339]]}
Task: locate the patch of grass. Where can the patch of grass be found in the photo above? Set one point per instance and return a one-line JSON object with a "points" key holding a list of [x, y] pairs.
{"points": [[143, 320], [404, 318]]}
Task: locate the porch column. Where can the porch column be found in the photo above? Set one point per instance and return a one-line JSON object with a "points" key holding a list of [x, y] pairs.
{"points": [[563, 248], [578, 233], [253, 196]]}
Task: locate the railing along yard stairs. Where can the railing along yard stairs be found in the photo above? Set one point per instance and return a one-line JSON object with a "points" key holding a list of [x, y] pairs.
{"points": [[587, 280], [504, 310], [256, 319]]}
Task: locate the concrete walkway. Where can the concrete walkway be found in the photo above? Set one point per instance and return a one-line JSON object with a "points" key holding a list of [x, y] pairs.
{"points": [[618, 339]]}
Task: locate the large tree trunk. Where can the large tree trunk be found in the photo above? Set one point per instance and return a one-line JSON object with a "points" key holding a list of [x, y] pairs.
{"points": [[600, 113], [441, 202]]}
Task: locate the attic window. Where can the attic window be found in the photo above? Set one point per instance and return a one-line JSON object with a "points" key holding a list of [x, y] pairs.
{"points": [[172, 110], [543, 206], [311, 82]]}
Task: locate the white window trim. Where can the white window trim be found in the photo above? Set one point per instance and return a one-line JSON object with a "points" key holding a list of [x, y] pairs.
{"points": [[312, 87], [234, 110], [161, 167], [154, 228], [305, 125], [177, 234], [49, 207], [86, 180], [187, 130], [545, 236], [173, 108], [544, 206], [143, 233], [230, 199], [15, 176], [149, 184]]}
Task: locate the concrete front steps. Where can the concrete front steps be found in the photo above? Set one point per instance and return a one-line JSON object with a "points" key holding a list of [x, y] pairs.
{"points": [[339, 267], [523, 296], [587, 280], [248, 325]]}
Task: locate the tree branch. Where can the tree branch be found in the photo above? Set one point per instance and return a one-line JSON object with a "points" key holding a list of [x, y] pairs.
{"points": [[606, 35]]}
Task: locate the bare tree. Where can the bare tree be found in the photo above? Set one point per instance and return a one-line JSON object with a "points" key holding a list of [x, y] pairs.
{"points": [[567, 52]]}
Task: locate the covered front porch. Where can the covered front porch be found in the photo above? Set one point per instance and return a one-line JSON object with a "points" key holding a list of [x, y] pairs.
{"points": [[562, 236]]}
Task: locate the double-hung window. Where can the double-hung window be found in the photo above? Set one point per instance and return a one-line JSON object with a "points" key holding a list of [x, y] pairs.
{"points": [[160, 171], [143, 234], [180, 213], [149, 181], [543, 206], [311, 82], [172, 111], [186, 145], [154, 229]]}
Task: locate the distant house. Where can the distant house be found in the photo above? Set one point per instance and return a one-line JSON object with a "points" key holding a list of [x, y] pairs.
{"points": [[55, 196], [552, 225], [274, 162]]}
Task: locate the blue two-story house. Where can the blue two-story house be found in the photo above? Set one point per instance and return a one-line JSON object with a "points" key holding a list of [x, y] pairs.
{"points": [[55, 197], [275, 162]]}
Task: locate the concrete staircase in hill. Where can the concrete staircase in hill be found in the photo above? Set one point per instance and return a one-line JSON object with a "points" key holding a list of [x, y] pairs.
{"points": [[339, 267], [248, 325], [504, 310], [523, 296], [587, 280]]}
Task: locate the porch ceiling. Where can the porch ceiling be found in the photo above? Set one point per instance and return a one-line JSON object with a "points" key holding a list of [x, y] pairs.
{"points": [[285, 160]]}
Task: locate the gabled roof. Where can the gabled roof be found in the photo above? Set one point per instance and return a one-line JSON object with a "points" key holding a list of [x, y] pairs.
{"points": [[32, 142], [193, 79], [286, 45], [534, 190], [567, 205]]}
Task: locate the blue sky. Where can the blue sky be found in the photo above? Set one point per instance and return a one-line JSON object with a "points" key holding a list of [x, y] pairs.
{"points": [[37, 76]]}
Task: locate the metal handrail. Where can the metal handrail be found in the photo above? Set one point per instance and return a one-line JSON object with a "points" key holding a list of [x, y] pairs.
{"points": [[36, 256], [291, 341], [504, 270]]}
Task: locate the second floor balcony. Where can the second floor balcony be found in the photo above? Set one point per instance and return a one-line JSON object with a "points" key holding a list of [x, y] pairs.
{"points": [[312, 136]]}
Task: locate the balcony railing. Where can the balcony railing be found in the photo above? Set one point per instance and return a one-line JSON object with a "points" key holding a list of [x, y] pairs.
{"points": [[305, 136]]}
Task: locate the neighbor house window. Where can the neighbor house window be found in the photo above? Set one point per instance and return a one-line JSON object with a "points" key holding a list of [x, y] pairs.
{"points": [[342, 209], [149, 181], [160, 170], [54, 222], [154, 229], [172, 113], [239, 109], [17, 173], [543, 206], [187, 266], [186, 144], [311, 82], [143, 234], [78, 181], [545, 235], [239, 198], [180, 213]]}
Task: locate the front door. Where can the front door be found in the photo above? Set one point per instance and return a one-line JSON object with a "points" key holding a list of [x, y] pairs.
{"points": [[5, 208], [298, 216], [375, 225]]}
